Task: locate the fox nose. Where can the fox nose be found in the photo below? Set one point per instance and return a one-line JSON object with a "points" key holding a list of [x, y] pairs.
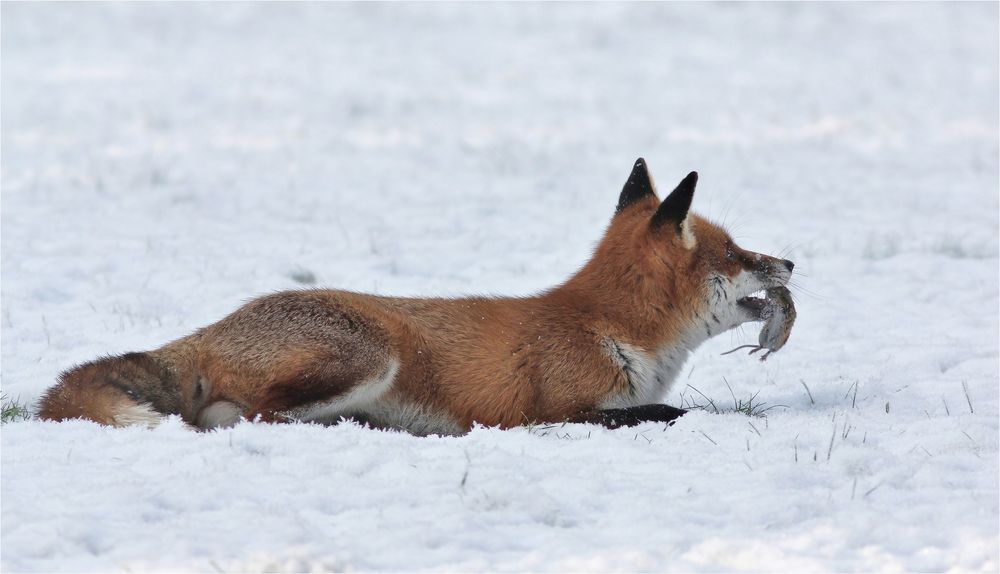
{"points": [[788, 265]]}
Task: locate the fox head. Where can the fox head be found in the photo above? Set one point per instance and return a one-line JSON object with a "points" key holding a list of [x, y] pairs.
{"points": [[682, 266]]}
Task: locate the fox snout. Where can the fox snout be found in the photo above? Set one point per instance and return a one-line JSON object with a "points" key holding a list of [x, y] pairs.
{"points": [[771, 271], [758, 274]]}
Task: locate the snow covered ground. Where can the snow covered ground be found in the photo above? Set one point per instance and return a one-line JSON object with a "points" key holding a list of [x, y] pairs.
{"points": [[163, 163]]}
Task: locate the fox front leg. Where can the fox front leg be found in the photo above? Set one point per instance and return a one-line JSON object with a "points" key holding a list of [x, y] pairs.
{"points": [[631, 416]]}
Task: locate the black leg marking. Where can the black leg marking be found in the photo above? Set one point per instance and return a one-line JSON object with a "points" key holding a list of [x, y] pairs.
{"points": [[631, 416]]}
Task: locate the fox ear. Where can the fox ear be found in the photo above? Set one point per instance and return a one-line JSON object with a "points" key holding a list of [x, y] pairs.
{"points": [[674, 208], [638, 186]]}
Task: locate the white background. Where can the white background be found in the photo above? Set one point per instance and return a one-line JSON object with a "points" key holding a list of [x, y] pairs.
{"points": [[162, 164]]}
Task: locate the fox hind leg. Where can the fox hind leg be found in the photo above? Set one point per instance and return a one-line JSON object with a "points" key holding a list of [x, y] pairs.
{"points": [[333, 390]]}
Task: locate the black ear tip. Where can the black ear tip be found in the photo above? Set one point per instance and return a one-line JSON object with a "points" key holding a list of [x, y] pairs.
{"points": [[692, 177], [638, 186]]}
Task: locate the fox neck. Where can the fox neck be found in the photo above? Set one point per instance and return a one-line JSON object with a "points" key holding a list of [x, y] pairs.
{"points": [[650, 321], [647, 305]]}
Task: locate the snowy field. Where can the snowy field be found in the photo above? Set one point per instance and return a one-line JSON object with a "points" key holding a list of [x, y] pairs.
{"points": [[164, 163]]}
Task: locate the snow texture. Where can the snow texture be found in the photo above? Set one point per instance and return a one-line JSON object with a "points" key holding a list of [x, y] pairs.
{"points": [[163, 163]]}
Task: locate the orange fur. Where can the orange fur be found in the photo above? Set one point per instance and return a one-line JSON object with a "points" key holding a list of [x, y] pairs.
{"points": [[495, 361]]}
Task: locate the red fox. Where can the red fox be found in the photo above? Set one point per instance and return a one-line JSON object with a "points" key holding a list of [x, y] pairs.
{"points": [[600, 348]]}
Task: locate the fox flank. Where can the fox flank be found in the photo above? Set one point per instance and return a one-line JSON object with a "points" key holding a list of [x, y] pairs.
{"points": [[602, 347]]}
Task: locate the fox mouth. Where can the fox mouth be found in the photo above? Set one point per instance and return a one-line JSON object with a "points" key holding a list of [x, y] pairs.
{"points": [[754, 303], [751, 289], [757, 303]]}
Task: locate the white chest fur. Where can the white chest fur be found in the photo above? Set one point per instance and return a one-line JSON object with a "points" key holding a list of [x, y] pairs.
{"points": [[649, 374]]}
